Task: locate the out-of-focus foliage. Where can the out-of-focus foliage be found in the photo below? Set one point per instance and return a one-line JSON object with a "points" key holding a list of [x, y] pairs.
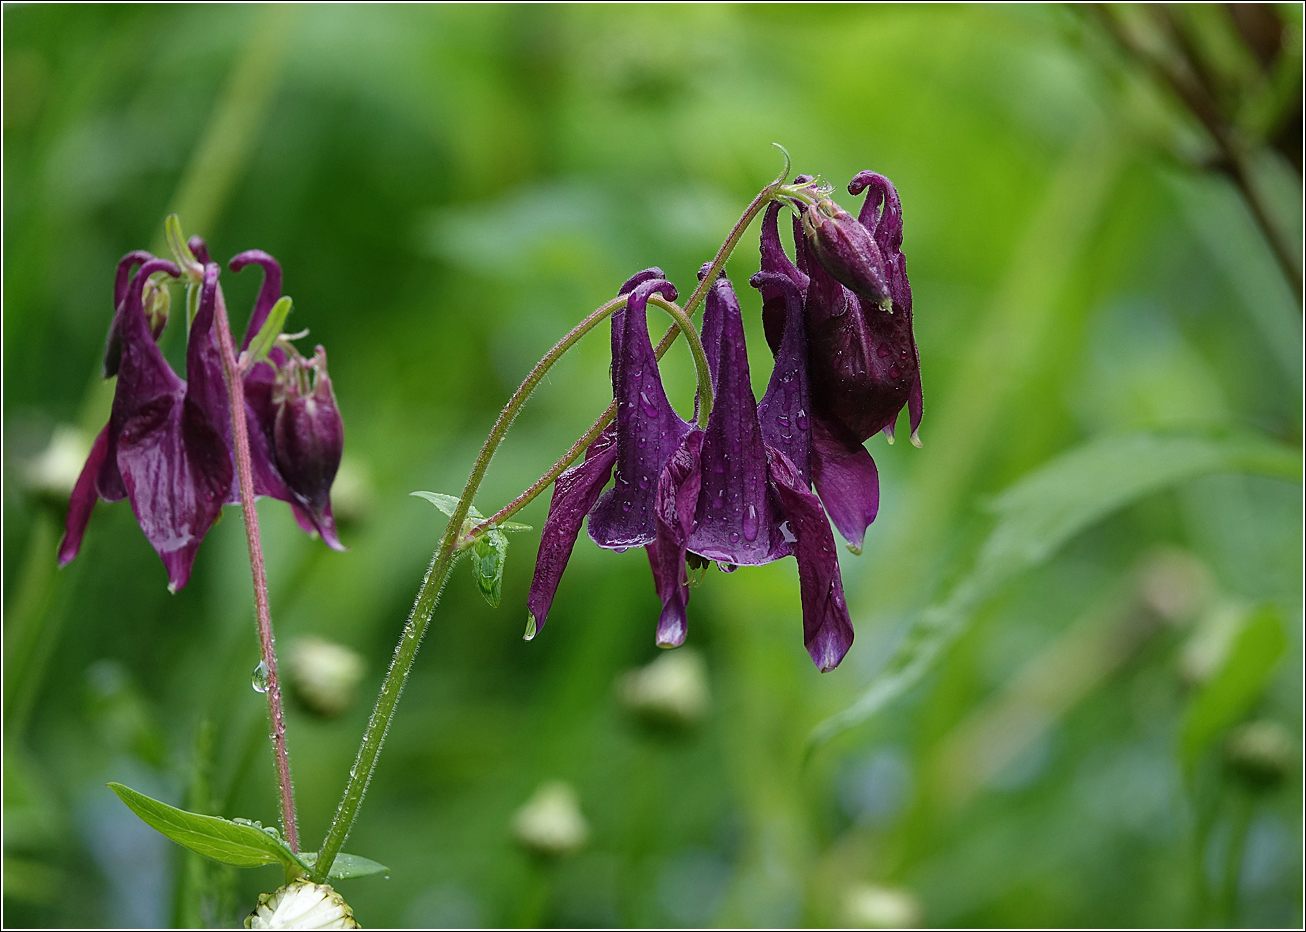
{"points": [[449, 189]]}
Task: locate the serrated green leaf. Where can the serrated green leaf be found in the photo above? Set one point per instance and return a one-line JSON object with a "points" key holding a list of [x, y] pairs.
{"points": [[271, 329], [347, 866], [1231, 693], [1042, 512], [242, 845]]}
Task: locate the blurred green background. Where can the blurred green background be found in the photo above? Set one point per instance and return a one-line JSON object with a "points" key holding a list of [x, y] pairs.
{"points": [[1086, 691]]}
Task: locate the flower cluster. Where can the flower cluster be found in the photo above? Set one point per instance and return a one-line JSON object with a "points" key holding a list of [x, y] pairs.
{"points": [[169, 447], [738, 491]]}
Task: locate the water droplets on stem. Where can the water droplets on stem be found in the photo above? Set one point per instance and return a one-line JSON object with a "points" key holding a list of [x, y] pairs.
{"points": [[261, 680]]}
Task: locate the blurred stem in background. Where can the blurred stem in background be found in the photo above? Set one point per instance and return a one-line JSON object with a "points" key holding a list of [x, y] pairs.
{"points": [[1172, 53], [452, 543]]}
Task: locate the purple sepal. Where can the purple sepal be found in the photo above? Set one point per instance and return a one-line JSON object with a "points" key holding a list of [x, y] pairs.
{"points": [[268, 294], [847, 481], [648, 428], [775, 263], [574, 494], [83, 499], [827, 629]]}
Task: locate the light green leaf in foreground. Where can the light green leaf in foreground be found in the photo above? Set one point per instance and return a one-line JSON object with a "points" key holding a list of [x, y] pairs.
{"points": [[1039, 514], [347, 866], [1231, 693], [242, 844]]}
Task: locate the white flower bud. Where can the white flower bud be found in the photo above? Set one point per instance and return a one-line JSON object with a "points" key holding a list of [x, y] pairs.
{"points": [[302, 905], [867, 906], [551, 823], [323, 675], [670, 690], [55, 471]]}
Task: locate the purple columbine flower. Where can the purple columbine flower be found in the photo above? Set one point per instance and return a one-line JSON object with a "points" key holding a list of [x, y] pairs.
{"points": [[735, 492], [862, 354], [168, 444], [163, 448], [299, 473]]}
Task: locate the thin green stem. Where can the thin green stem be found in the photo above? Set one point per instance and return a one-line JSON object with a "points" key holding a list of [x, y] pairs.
{"points": [[764, 197], [450, 545]]}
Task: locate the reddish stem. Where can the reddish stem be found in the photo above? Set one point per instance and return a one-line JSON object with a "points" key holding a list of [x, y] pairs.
{"points": [[245, 472]]}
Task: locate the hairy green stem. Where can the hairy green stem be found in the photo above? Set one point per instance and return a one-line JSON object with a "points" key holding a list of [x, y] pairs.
{"points": [[451, 545]]}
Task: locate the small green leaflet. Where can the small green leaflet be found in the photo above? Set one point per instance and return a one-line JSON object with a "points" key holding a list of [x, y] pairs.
{"points": [[347, 866], [237, 842], [489, 551], [268, 333]]}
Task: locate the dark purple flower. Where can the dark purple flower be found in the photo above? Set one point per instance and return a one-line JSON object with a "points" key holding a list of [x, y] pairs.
{"points": [[735, 492], [308, 435], [264, 393], [168, 444], [163, 448], [862, 354]]}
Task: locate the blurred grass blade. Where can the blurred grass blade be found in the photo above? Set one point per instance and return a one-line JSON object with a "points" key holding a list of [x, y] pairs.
{"points": [[1039, 514], [347, 866], [242, 845], [1231, 693]]}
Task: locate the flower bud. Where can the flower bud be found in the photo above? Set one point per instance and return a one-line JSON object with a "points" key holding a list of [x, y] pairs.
{"points": [[551, 822], [308, 434], [302, 905], [847, 250], [323, 675], [1261, 754], [671, 690], [869, 906]]}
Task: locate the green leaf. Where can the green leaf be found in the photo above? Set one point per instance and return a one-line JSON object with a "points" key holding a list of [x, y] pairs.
{"points": [[446, 503], [1231, 693], [347, 866], [271, 329], [243, 844], [1039, 514]]}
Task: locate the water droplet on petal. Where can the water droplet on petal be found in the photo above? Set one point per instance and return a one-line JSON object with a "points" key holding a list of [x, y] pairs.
{"points": [[531, 630], [734, 537], [260, 679], [750, 524]]}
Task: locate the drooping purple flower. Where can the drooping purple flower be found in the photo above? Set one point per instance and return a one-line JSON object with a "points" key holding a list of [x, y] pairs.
{"points": [[264, 394], [161, 448], [308, 435], [168, 444], [729, 492], [863, 360]]}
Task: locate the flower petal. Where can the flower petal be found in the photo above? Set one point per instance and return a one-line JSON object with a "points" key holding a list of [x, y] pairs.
{"points": [[847, 481], [648, 428], [827, 629], [775, 262], [734, 518], [83, 499], [785, 409], [574, 494]]}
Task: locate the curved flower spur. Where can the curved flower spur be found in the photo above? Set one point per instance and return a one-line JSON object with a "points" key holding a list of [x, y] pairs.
{"points": [[734, 492], [168, 446]]}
